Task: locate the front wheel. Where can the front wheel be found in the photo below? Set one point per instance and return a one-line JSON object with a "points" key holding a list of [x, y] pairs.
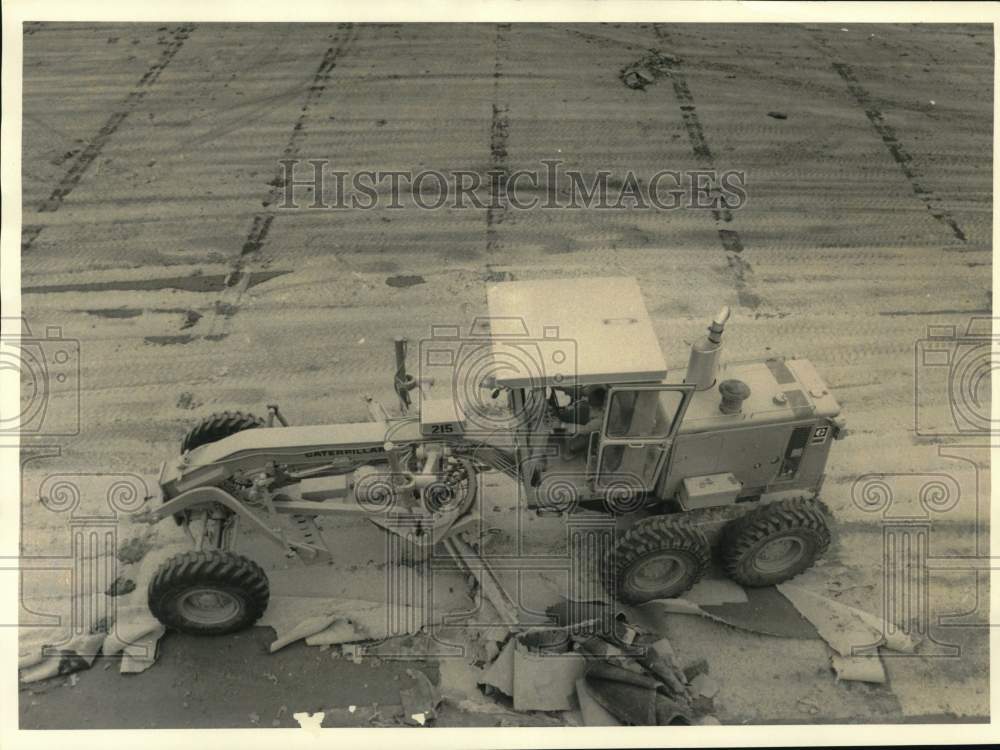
{"points": [[775, 542], [208, 593], [218, 426]]}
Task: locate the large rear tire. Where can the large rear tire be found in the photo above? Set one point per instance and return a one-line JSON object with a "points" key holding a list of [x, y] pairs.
{"points": [[218, 426], [659, 558], [775, 542], [208, 593]]}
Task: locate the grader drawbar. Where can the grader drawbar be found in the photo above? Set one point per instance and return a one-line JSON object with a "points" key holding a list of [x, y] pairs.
{"points": [[564, 389]]}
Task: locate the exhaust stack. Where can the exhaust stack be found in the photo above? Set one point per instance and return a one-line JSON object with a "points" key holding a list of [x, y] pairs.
{"points": [[703, 366]]}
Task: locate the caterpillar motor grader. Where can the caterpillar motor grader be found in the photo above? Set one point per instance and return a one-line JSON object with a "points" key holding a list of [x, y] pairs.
{"points": [[563, 388]]}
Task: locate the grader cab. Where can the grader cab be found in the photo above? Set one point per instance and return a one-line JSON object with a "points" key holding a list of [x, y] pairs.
{"points": [[565, 389]]}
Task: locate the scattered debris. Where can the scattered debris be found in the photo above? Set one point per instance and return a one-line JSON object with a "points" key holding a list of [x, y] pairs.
{"points": [[714, 591], [500, 674], [121, 586], [309, 626], [140, 654], [492, 275], [853, 635], [135, 549], [894, 638], [135, 637], [545, 673], [594, 714], [647, 70], [691, 671], [629, 696], [705, 686], [354, 652], [858, 668], [807, 707], [341, 630], [420, 701], [765, 611], [191, 317], [762, 611], [282, 710], [187, 401], [836, 623], [43, 663], [225, 309], [347, 620], [659, 660]]}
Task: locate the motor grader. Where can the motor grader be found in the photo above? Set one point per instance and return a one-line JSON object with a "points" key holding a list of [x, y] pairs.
{"points": [[563, 387]]}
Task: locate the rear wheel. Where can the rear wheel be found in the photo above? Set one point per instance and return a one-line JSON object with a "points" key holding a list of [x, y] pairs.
{"points": [[208, 593], [775, 542], [218, 426], [659, 558]]}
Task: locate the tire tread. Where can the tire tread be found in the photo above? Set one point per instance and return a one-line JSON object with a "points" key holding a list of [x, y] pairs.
{"points": [[742, 534], [214, 566], [218, 426], [660, 533]]}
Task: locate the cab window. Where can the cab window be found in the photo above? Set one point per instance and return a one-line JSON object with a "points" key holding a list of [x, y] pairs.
{"points": [[646, 413]]}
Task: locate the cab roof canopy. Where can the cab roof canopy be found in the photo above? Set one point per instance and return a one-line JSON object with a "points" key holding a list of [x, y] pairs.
{"points": [[572, 332]]}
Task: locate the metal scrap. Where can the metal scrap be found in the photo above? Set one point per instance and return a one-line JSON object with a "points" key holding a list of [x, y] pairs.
{"points": [[836, 623], [594, 714], [853, 635], [858, 668], [545, 678], [308, 627]]}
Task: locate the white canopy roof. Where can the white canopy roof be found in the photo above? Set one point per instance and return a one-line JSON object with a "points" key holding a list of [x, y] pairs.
{"points": [[572, 332]]}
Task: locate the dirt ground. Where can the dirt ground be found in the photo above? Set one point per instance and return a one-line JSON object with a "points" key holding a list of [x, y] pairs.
{"points": [[153, 237]]}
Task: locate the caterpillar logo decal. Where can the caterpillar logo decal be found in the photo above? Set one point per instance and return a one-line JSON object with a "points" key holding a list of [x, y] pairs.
{"points": [[344, 452]]}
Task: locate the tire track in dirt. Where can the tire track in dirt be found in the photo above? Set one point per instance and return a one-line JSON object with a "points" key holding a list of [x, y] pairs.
{"points": [[89, 153], [499, 129], [729, 238], [898, 152], [238, 280]]}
